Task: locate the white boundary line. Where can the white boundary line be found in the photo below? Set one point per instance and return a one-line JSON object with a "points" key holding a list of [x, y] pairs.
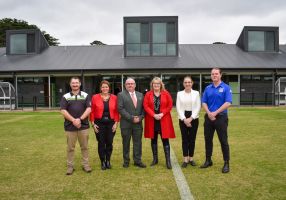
{"points": [[181, 182]]}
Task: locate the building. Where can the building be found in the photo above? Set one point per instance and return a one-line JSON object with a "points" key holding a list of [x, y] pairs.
{"points": [[251, 66]]}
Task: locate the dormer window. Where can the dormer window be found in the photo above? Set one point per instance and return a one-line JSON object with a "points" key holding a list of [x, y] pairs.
{"points": [[22, 43], [151, 36], [26, 41], [261, 41]]}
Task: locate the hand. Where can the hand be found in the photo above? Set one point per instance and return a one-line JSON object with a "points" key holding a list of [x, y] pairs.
{"points": [[136, 120], [157, 116], [188, 121], [95, 128], [211, 116], [161, 115], [114, 127], [77, 123]]}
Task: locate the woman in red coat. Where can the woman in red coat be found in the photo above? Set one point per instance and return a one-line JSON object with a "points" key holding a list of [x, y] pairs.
{"points": [[104, 118], [158, 105]]}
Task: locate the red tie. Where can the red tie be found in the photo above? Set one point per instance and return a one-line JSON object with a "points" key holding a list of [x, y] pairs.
{"points": [[134, 99]]}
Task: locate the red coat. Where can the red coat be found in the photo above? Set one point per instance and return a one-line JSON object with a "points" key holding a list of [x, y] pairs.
{"points": [[166, 105], [97, 108]]}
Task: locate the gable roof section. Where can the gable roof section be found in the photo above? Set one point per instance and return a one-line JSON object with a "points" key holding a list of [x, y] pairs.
{"points": [[110, 57]]}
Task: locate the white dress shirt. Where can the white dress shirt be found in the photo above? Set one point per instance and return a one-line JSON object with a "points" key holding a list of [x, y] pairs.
{"points": [[188, 101]]}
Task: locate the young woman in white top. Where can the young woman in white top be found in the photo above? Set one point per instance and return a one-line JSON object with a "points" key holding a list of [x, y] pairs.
{"points": [[188, 106]]}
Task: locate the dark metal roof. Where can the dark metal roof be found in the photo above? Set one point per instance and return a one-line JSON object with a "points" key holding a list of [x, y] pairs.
{"points": [[110, 57]]}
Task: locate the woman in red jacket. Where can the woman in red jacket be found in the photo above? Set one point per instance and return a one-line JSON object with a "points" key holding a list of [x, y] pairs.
{"points": [[158, 105], [104, 118]]}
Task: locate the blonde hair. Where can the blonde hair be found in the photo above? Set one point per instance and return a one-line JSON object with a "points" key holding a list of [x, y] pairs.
{"points": [[162, 85]]}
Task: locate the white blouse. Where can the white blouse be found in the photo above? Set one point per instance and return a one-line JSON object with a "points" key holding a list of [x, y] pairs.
{"points": [[188, 101]]}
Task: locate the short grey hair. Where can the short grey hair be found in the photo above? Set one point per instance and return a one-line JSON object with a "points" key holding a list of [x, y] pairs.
{"points": [[130, 78]]}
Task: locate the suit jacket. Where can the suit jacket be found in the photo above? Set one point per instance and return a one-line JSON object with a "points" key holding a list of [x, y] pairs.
{"points": [[166, 104], [127, 110]]}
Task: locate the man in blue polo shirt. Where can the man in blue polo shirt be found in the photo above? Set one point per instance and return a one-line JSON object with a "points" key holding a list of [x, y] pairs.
{"points": [[75, 107], [217, 98]]}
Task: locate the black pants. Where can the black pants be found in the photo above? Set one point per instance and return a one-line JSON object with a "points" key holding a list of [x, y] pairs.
{"points": [[155, 139], [105, 139], [220, 126], [189, 137]]}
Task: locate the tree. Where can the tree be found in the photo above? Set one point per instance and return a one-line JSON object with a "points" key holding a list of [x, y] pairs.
{"points": [[50, 39], [96, 42], [15, 24]]}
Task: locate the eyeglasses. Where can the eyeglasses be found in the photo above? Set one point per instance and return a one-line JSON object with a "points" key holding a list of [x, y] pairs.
{"points": [[187, 82], [130, 83], [156, 83]]}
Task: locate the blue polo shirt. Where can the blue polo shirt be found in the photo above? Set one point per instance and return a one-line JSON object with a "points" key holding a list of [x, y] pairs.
{"points": [[215, 97]]}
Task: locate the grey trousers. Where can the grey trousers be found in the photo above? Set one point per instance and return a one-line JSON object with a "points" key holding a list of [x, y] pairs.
{"points": [[136, 135]]}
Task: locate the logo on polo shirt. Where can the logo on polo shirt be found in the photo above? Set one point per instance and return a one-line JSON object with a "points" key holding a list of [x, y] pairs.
{"points": [[220, 90]]}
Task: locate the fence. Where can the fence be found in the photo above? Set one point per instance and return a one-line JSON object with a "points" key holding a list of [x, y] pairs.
{"points": [[7, 96], [280, 91]]}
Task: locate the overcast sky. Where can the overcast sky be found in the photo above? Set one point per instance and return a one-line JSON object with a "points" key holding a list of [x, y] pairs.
{"points": [[76, 22]]}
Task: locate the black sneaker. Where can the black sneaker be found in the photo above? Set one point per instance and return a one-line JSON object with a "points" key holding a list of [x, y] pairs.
{"points": [[184, 165], [192, 162]]}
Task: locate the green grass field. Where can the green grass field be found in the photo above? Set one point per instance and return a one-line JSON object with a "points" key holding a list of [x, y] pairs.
{"points": [[33, 155]]}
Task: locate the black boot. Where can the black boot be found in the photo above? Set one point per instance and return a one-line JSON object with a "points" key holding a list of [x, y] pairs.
{"points": [[107, 164], [155, 154], [167, 155], [103, 165], [225, 168], [207, 163]]}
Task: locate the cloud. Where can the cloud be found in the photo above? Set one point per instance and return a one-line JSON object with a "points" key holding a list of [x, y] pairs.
{"points": [[205, 21]]}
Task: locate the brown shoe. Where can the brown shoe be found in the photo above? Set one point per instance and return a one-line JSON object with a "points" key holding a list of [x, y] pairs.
{"points": [[87, 169], [70, 171]]}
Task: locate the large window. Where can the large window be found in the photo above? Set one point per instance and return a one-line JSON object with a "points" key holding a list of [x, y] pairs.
{"points": [[261, 41], [137, 37], [22, 43], [151, 39], [256, 89], [174, 83], [164, 39]]}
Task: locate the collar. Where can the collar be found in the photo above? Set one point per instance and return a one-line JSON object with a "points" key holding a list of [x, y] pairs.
{"points": [[188, 92], [220, 85], [79, 94]]}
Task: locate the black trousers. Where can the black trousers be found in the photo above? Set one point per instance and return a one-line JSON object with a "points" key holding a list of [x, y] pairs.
{"points": [[189, 137], [165, 141], [220, 126], [105, 139]]}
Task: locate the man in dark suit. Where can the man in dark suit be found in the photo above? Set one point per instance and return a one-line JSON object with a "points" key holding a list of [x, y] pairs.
{"points": [[130, 107]]}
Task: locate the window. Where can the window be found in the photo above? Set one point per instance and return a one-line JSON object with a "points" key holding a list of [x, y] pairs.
{"points": [[151, 37], [18, 44], [137, 37], [164, 39], [22, 43], [261, 41], [269, 41]]}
